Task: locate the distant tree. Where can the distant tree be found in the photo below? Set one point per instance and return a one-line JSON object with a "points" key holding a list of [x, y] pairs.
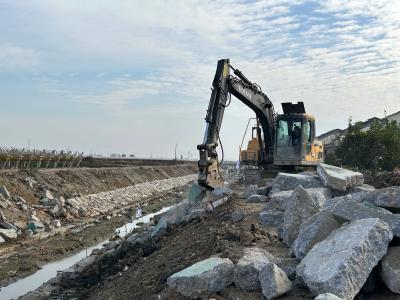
{"points": [[377, 148]]}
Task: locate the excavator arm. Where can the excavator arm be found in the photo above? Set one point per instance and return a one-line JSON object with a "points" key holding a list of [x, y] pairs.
{"points": [[224, 85]]}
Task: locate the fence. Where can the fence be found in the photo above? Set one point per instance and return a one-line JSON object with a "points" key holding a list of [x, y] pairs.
{"points": [[13, 158]]}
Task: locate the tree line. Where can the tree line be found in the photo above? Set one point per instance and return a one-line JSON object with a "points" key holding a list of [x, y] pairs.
{"points": [[377, 148]]}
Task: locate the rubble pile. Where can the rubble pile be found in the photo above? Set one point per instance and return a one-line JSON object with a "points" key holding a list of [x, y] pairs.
{"points": [[338, 229]]}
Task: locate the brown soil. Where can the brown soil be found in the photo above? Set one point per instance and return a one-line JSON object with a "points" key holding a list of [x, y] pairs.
{"points": [[141, 272], [69, 182], [150, 265]]}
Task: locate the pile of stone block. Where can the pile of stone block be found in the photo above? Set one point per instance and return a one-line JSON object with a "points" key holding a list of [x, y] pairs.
{"points": [[257, 270], [338, 228]]}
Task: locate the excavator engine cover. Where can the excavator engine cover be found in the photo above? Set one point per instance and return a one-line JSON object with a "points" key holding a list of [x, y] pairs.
{"points": [[293, 108]]}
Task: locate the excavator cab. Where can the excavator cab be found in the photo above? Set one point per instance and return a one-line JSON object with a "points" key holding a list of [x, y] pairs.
{"points": [[295, 143]]}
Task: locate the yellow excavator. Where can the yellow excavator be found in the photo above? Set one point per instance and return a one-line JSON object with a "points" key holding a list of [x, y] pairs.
{"points": [[287, 139]]}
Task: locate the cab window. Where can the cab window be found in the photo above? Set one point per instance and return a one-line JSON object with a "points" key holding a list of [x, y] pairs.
{"points": [[288, 133], [282, 133]]}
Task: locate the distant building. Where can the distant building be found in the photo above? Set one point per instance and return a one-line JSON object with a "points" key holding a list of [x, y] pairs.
{"points": [[332, 138], [395, 117]]}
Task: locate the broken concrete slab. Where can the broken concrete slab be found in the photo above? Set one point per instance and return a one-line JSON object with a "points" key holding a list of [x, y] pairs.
{"points": [[342, 262], [327, 296], [272, 218], [274, 281], [345, 211], [390, 269], [8, 234], [250, 190], [388, 197], [247, 270], [313, 230], [211, 275], [4, 192], [256, 199], [338, 178], [286, 182], [2, 240], [237, 215], [301, 207]]}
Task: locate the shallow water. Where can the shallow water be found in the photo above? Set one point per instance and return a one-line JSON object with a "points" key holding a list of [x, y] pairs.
{"points": [[49, 271]]}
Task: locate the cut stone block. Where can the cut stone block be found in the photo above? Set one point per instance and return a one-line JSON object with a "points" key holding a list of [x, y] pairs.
{"points": [[280, 199], [237, 215], [248, 268], [272, 218], [387, 197], [354, 197], [250, 190], [342, 262], [345, 211], [274, 281], [327, 296], [320, 195], [257, 199], [207, 276], [313, 230], [286, 182], [362, 188], [338, 178], [302, 207], [390, 269]]}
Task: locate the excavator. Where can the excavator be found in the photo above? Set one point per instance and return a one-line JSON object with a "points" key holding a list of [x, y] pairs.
{"points": [[286, 139]]}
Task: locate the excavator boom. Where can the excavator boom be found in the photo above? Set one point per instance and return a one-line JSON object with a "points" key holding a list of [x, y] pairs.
{"points": [[225, 85]]}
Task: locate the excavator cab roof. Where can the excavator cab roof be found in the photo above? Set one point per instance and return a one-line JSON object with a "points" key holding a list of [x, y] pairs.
{"points": [[293, 108]]}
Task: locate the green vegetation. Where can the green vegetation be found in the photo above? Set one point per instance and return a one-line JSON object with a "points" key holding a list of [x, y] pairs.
{"points": [[377, 148]]}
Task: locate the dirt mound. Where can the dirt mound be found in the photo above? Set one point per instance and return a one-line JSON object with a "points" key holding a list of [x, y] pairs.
{"points": [[140, 272]]}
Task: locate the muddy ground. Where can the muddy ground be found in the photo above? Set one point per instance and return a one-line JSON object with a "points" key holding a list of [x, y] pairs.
{"points": [[24, 258], [141, 272]]}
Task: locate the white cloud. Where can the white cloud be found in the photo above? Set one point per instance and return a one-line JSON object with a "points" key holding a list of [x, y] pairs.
{"points": [[343, 57], [14, 58]]}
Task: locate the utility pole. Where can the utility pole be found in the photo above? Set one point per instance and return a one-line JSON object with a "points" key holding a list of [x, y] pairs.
{"points": [[176, 146]]}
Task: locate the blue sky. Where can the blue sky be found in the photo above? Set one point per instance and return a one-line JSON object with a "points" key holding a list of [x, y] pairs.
{"points": [[134, 77]]}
